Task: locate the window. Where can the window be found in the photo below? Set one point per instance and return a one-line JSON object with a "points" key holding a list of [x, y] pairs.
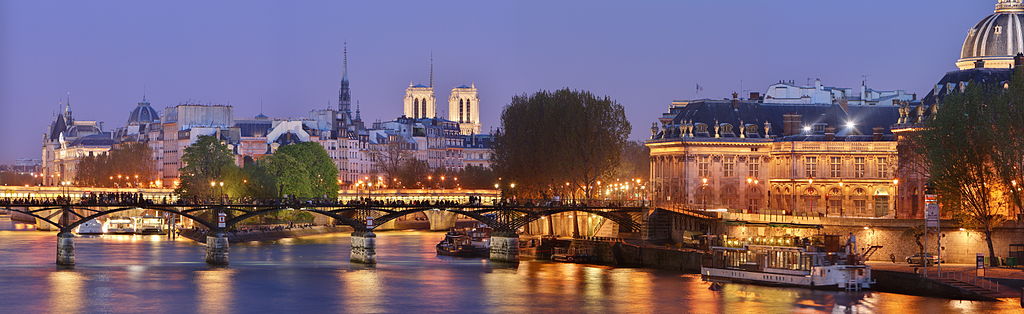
{"points": [[728, 167], [704, 166], [861, 206], [836, 166], [883, 167], [811, 166], [858, 167], [754, 167]]}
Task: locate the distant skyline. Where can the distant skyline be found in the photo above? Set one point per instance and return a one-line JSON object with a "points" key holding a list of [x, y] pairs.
{"points": [[287, 55]]}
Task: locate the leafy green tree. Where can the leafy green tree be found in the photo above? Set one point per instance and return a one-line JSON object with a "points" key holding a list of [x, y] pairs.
{"points": [[1008, 157], [550, 138], [206, 160], [411, 172], [636, 161], [960, 143], [321, 173], [290, 175], [258, 182]]}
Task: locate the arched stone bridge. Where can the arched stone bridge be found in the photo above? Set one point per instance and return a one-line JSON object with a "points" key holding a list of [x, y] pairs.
{"points": [[505, 220]]}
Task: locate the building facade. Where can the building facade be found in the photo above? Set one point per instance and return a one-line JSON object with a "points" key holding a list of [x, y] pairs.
{"points": [[752, 155]]}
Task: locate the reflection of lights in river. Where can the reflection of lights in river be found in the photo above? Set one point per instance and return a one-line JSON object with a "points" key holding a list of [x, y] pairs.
{"points": [[215, 290], [362, 291], [66, 291]]}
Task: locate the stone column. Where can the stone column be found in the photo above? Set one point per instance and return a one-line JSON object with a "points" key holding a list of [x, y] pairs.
{"points": [[65, 249], [217, 249], [364, 247], [505, 247]]}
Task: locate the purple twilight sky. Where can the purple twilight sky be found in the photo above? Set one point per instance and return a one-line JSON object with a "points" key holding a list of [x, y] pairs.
{"points": [[287, 54]]}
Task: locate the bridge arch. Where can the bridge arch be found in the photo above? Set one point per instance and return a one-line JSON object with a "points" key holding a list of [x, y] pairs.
{"points": [[478, 216], [99, 214], [34, 215], [620, 218], [344, 220]]}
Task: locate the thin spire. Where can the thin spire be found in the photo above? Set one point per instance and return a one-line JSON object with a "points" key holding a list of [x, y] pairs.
{"points": [[431, 69], [344, 67], [358, 117], [144, 93]]}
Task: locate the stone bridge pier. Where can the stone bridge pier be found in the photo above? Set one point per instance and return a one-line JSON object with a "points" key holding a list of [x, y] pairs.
{"points": [[217, 249], [441, 220], [364, 248], [505, 247], [65, 249]]}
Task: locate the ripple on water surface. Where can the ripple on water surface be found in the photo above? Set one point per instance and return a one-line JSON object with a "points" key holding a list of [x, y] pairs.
{"points": [[152, 274]]}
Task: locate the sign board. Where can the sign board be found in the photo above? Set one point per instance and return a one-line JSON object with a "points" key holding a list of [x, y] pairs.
{"points": [[221, 219], [931, 211], [981, 261]]}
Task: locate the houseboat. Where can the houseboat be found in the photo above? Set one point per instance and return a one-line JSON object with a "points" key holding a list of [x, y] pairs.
{"points": [[473, 242], [119, 225], [821, 262], [149, 225]]}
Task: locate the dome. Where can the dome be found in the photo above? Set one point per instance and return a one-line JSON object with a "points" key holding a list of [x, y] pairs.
{"points": [[996, 39], [143, 114]]}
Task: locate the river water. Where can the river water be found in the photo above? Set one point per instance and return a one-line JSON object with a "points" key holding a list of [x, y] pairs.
{"points": [[152, 274]]}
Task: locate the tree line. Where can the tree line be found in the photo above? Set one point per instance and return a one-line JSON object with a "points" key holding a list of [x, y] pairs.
{"points": [[973, 148]]}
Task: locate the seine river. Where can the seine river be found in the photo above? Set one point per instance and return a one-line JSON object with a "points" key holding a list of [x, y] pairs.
{"points": [[152, 274]]}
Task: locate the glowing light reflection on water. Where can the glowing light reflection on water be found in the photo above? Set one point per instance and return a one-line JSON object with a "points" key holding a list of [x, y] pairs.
{"points": [[151, 274]]}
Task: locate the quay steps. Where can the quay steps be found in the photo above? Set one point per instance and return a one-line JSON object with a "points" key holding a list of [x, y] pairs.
{"points": [[987, 289]]}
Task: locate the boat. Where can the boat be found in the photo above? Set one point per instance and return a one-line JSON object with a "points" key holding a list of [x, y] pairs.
{"points": [[473, 242], [149, 225], [120, 225], [819, 262], [90, 227]]}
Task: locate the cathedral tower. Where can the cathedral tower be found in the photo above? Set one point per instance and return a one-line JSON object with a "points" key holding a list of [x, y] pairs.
{"points": [[419, 99], [464, 108], [344, 94]]}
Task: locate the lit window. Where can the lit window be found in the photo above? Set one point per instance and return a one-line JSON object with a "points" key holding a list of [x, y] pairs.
{"points": [[704, 166], [728, 167], [754, 167], [883, 167], [858, 167], [836, 166], [811, 166]]}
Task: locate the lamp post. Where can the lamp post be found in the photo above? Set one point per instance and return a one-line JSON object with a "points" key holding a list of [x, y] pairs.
{"points": [[896, 198], [704, 193]]}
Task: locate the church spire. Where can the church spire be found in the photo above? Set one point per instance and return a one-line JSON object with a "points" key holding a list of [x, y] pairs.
{"points": [[344, 94], [431, 84], [358, 117]]}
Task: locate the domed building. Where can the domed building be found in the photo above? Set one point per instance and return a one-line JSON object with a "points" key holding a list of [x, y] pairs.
{"points": [[143, 114], [994, 41]]}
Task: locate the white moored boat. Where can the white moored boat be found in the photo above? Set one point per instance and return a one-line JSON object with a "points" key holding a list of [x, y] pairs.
{"points": [[818, 262], [90, 227]]}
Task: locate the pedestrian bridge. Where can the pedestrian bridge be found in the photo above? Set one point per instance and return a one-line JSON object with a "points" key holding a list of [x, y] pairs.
{"points": [[506, 219]]}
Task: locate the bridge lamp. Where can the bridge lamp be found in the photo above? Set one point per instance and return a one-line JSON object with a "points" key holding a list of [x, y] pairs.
{"points": [[807, 129], [496, 186], [850, 124], [213, 184], [513, 185]]}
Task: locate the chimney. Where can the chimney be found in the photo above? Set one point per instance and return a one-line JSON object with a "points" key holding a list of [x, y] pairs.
{"points": [[830, 133], [1018, 60], [791, 124], [876, 133], [980, 64]]}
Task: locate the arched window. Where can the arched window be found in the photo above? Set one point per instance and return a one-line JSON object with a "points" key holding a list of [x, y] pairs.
{"points": [[415, 108], [835, 202], [469, 110], [754, 203], [810, 201]]}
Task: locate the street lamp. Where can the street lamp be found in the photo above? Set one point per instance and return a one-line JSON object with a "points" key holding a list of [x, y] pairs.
{"points": [[704, 193], [896, 197]]}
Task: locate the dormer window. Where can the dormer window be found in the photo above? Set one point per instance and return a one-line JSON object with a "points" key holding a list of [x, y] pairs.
{"points": [[999, 30]]}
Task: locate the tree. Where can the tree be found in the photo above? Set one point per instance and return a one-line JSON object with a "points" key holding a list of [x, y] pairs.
{"points": [[258, 181], [551, 138], [636, 161], [1008, 156], [205, 161], [917, 232], [320, 171], [476, 177], [390, 158], [290, 175], [127, 164], [411, 172], [960, 143]]}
